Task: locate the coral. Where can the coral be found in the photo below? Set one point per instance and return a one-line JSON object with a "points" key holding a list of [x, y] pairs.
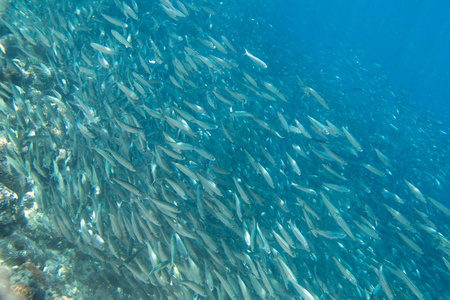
{"points": [[36, 273], [11, 212], [9, 177], [22, 290]]}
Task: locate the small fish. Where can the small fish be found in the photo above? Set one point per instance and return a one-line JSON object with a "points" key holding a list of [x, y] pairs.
{"points": [[121, 39], [129, 187], [103, 49], [352, 140], [115, 21], [158, 267], [258, 62]]}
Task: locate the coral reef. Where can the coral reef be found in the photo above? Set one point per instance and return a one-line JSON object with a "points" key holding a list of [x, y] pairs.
{"points": [[36, 263]]}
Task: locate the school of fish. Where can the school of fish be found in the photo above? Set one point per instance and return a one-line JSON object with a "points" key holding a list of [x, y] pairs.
{"points": [[163, 148]]}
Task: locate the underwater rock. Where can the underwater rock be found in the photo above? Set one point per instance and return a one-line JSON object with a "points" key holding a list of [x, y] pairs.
{"points": [[11, 213]]}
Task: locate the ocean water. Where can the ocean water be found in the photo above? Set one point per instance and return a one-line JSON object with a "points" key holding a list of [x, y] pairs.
{"points": [[407, 40], [238, 149]]}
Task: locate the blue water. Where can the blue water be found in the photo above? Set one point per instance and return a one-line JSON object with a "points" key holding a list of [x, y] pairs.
{"points": [[407, 41]]}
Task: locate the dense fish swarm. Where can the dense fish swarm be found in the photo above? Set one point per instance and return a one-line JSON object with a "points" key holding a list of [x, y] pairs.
{"points": [[165, 149]]}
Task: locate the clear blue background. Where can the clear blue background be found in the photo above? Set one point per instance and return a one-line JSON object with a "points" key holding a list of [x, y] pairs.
{"points": [[410, 40]]}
